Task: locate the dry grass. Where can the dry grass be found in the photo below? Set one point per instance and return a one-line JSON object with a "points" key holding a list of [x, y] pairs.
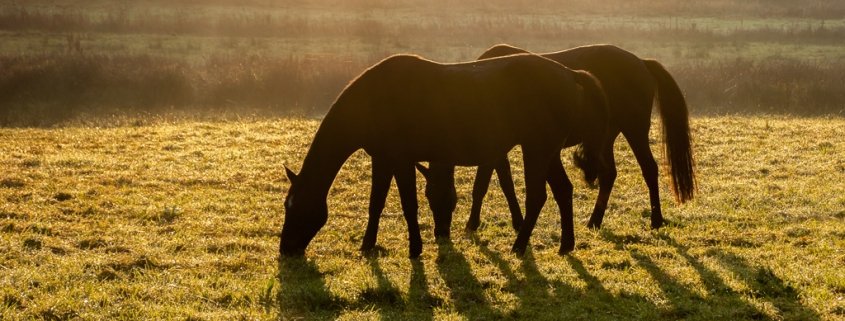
{"points": [[181, 220]]}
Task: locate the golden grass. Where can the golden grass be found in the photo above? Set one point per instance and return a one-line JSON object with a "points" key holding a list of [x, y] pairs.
{"points": [[180, 221]]}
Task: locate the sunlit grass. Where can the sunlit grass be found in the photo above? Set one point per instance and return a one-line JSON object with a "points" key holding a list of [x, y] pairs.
{"points": [[180, 220]]}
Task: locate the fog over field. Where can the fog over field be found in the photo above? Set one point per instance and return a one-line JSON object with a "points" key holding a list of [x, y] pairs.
{"points": [[69, 60]]}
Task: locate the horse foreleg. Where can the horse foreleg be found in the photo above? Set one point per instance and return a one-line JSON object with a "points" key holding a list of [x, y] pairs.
{"points": [[406, 181], [382, 175], [536, 167], [606, 180], [503, 170], [562, 191], [648, 166], [479, 190]]}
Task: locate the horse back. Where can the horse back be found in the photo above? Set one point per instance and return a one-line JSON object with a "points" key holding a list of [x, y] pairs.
{"points": [[463, 112], [626, 80]]}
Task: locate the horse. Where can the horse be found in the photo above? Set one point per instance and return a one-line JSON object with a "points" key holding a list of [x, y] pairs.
{"points": [[406, 109], [630, 84]]}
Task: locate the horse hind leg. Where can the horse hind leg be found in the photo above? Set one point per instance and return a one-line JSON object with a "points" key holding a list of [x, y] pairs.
{"points": [[503, 170], [561, 188], [406, 181], [606, 181], [479, 190], [648, 166], [382, 176], [536, 168]]}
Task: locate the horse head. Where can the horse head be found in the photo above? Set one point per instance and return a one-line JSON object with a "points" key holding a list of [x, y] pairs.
{"points": [[304, 216], [441, 195], [592, 128]]}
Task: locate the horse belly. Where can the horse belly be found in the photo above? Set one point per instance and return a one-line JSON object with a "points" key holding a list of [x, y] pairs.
{"points": [[433, 146]]}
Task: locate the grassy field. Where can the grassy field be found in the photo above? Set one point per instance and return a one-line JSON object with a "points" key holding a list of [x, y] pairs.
{"points": [[180, 220], [142, 151]]}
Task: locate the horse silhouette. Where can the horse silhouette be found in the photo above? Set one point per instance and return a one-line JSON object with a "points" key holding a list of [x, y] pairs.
{"points": [[631, 85], [407, 109]]}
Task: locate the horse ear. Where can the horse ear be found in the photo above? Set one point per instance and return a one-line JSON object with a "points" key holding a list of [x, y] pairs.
{"points": [[291, 174], [423, 170]]}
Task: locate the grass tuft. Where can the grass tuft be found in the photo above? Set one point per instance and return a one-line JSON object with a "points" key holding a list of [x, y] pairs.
{"points": [[62, 196], [32, 244], [12, 183]]}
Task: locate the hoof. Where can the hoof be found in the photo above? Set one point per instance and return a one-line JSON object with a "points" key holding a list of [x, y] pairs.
{"points": [[367, 246], [566, 249], [472, 226], [658, 223], [415, 251], [296, 253], [443, 241], [593, 225], [290, 250], [442, 235], [519, 251]]}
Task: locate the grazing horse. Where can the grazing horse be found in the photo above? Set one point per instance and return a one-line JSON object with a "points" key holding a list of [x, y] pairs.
{"points": [[631, 85], [406, 109]]}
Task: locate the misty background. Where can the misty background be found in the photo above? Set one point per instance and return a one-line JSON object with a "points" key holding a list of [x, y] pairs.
{"points": [[72, 61]]}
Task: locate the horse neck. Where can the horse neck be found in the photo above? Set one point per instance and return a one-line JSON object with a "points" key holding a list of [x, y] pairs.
{"points": [[329, 150]]}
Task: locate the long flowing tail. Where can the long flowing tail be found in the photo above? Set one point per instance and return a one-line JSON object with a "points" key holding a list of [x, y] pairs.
{"points": [[676, 132], [589, 157]]}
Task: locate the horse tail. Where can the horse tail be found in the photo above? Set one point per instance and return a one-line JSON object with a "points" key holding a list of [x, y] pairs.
{"points": [[676, 132], [588, 157]]}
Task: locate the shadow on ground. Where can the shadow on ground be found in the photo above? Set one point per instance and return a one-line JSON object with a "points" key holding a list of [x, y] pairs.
{"points": [[303, 293], [720, 300]]}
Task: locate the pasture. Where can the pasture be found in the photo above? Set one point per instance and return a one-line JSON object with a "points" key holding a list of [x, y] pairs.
{"points": [[143, 145], [179, 219]]}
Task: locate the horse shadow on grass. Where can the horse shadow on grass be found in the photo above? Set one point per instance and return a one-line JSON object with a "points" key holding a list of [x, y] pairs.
{"points": [[542, 299], [720, 300], [417, 306], [303, 293], [766, 284], [466, 291]]}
